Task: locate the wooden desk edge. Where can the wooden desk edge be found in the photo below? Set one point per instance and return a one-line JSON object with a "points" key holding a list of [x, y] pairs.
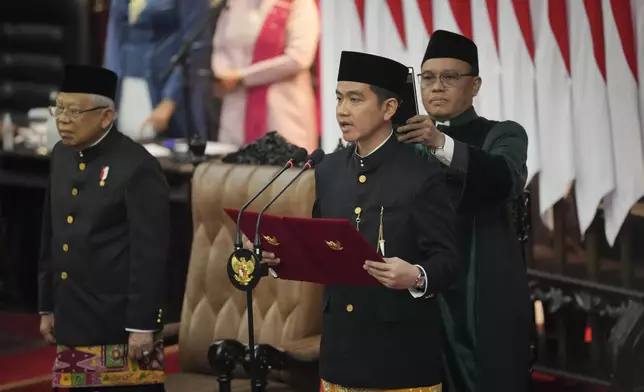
{"points": [[637, 209]]}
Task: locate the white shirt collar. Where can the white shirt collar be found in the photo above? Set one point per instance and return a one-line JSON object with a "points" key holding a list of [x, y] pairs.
{"points": [[102, 137], [99, 139], [375, 149]]}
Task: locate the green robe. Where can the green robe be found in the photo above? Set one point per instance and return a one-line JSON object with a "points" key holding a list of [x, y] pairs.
{"points": [[487, 315]]}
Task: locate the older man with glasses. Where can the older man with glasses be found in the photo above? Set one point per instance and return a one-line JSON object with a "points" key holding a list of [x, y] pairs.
{"points": [[487, 314], [104, 235]]}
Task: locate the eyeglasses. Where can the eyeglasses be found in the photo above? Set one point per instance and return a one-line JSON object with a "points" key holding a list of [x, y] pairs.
{"points": [[448, 79], [57, 111]]}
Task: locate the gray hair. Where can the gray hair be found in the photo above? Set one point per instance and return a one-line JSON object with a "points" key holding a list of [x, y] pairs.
{"points": [[100, 100]]}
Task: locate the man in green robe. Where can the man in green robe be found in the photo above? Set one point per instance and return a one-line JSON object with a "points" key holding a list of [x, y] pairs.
{"points": [[487, 314]]}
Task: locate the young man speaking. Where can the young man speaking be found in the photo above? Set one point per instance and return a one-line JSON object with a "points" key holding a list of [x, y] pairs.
{"points": [[387, 337]]}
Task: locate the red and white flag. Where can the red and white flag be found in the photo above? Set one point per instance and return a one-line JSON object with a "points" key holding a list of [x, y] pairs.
{"points": [[444, 18], [621, 79], [342, 29], [384, 29], [595, 173], [516, 53], [416, 15], [554, 100], [488, 103]]}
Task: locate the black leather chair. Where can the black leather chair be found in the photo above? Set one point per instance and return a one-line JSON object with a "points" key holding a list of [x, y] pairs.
{"points": [[609, 354], [627, 345], [37, 37]]}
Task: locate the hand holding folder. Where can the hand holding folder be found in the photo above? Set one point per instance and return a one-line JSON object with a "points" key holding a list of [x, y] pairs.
{"points": [[325, 251]]}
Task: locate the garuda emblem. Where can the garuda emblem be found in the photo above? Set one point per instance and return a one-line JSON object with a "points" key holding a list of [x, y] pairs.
{"points": [[271, 240], [335, 245], [243, 269]]}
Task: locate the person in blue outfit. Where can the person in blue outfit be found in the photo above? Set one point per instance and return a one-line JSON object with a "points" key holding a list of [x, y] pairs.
{"points": [[142, 38]]}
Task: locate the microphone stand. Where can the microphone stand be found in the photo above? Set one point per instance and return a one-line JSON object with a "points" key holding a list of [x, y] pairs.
{"points": [[258, 383], [194, 140], [238, 240], [257, 243], [196, 145]]}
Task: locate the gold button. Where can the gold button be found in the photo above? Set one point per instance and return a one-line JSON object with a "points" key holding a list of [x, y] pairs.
{"points": [[70, 219], [65, 247], [349, 308], [74, 191], [362, 179], [159, 321], [357, 210], [63, 275], [81, 166]]}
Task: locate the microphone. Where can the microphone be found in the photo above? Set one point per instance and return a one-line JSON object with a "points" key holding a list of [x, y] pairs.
{"points": [[298, 157], [315, 158], [211, 18]]}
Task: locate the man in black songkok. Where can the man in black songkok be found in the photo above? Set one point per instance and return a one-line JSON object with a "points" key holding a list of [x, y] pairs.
{"points": [[101, 272], [488, 313], [385, 337]]}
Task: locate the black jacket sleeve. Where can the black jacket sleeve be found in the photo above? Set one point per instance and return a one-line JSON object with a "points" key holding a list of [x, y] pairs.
{"points": [[148, 211], [434, 222], [496, 173]]}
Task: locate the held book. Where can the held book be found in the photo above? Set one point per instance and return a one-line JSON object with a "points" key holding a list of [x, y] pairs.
{"points": [[324, 251]]}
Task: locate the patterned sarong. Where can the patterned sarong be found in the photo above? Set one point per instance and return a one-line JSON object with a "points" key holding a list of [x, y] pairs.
{"points": [[109, 365], [328, 387]]}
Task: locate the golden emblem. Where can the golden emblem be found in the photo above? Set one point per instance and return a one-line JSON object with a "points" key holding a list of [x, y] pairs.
{"points": [[335, 245], [243, 269], [271, 240]]}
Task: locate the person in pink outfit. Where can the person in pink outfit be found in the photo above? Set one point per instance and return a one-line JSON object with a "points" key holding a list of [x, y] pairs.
{"points": [[263, 51]]}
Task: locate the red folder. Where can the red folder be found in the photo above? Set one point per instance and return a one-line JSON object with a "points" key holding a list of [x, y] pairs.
{"points": [[338, 247], [276, 239], [325, 251]]}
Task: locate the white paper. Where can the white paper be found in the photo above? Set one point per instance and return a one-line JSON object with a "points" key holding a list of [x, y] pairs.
{"points": [[212, 148], [7, 132], [135, 106], [51, 133], [157, 151]]}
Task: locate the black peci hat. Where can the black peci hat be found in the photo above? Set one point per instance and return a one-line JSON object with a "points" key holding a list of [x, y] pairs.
{"points": [[373, 70], [445, 44], [86, 79]]}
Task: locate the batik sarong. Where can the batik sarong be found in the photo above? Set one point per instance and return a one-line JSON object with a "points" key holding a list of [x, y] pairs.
{"points": [[108, 365], [329, 387]]}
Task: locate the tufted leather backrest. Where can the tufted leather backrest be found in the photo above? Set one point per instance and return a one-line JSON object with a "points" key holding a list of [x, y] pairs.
{"points": [[213, 309]]}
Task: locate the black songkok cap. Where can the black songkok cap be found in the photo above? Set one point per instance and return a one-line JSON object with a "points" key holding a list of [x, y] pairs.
{"points": [[444, 44], [373, 70], [86, 79]]}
